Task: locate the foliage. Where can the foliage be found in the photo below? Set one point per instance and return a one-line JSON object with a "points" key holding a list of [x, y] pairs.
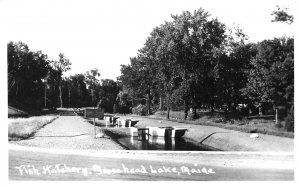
{"points": [[61, 66], [93, 84], [271, 77], [34, 82], [281, 15], [124, 102], [108, 94], [139, 110], [76, 92], [194, 61], [26, 70]]}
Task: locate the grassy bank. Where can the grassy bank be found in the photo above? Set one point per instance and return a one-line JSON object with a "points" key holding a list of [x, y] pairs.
{"points": [[264, 126], [22, 128]]}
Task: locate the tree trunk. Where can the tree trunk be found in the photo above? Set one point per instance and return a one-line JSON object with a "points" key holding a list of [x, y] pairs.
{"points": [[69, 97], [194, 112], [249, 110], [259, 110], [17, 90], [149, 101], [160, 103], [45, 96], [60, 96], [186, 109], [276, 113], [212, 110], [168, 106]]}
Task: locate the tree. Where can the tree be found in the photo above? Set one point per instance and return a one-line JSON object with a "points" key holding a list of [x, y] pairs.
{"points": [[176, 59], [166, 70], [79, 93], [67, 86], [61, 66], [231, 74], [26, 69], [93, 83], [197, 40], [139, 77], [281, 15], [124, 102], [108, 94], [271, 77]]}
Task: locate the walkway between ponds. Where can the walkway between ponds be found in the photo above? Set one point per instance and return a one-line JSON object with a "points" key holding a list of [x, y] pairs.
{"points": [[69, 132]]}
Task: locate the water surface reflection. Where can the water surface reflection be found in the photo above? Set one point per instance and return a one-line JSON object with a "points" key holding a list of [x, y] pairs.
{"points": [[160, 143]]}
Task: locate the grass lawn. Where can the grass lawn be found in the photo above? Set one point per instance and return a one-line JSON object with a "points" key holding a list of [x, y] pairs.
{"points": [[264, 126], [22, 128]]}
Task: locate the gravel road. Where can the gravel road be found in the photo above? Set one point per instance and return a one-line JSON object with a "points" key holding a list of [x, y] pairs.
{"points": [[69, 132]]}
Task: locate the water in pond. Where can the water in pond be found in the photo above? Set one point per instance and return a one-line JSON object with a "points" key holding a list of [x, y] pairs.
{"points": [[160, 143]]}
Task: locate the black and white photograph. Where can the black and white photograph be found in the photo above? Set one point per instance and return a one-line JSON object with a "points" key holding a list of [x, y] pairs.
{"points": [[140, 90]]}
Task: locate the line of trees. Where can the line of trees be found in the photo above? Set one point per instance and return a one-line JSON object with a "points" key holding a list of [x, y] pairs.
{"points": [[194, 61], [35, 82], [29, 73]]}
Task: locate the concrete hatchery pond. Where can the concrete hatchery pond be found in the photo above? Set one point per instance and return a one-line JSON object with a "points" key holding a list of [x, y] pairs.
{"points": [[160, 143], [146, 142]]}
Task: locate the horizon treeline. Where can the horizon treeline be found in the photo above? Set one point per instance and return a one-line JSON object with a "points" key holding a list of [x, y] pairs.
{"points": [[35, 82]]}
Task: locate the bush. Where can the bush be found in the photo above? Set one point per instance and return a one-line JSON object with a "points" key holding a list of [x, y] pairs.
{"points": [[140, 110], [289, 120], [115, 108], [124, 110], [279, 125], [289, 123]]}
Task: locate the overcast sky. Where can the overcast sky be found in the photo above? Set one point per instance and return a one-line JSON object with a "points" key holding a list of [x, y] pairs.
{"points": [[104, 34]]}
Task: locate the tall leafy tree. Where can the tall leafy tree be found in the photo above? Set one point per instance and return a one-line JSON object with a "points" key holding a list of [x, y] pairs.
{"points": [[198, 39], [61, 66], [166, 68], [93, 84], [79, 92], [271, 78], [108, 94], [26, 69]]}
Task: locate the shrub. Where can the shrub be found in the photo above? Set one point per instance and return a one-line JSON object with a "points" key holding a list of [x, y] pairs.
{"points": [[289, 120], [115, 108], [289, 123], [140, 110], [279, 125]]}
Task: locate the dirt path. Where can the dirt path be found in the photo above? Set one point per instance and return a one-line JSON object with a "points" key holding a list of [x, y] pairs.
{"points": [[69, 132]]}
